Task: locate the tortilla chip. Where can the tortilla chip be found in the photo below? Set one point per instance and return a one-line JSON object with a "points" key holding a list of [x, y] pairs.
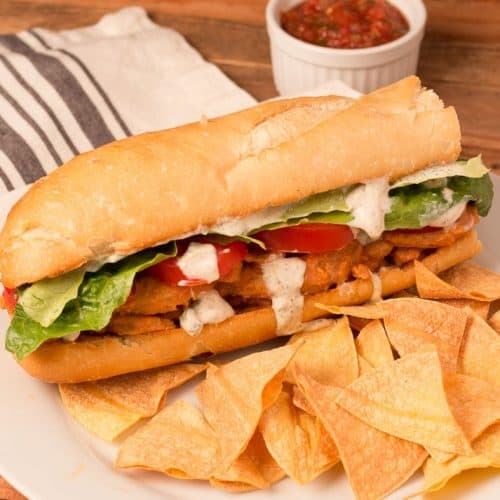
{"points": [[328, 355], [494, 321], [414, 325], [364, 366], [405, 294], [481, 308], [111, 406], [475, 403], [463, 281], [441, 457], [487, 454], [178, 442], [406, 399], [234, 397], [436, 474], [254, 469], [372, 344], [376, 463], [480, 352], [297, 441], [488, 444], [300, 401], [481, 283], [367, 311], [407, 340], [358, 323]]}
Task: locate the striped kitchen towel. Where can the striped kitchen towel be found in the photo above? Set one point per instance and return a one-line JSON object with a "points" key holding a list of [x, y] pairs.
{"points": [[63, 93]]}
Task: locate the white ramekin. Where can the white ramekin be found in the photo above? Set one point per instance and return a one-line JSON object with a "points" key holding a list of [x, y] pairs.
{"points": [[299, 66]]}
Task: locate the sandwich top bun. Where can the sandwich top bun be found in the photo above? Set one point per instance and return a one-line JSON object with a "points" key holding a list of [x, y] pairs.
{"points": [[144, 190]]}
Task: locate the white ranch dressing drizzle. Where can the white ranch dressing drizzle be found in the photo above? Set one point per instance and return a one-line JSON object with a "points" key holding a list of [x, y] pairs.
{"points": [[227, 226], [450, 216], [235, 226], [71, 337], [368, 204], [284, 278], [208, 308], [447, 194], [199, 261]]}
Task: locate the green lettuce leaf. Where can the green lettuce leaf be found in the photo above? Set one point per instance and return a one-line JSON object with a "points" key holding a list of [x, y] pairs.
{"points": [[479, 190], [328, 218], [245, 238], [44, 301], [473, 168], [98, 296], [417, 205], [414, 207], [329, 201]]}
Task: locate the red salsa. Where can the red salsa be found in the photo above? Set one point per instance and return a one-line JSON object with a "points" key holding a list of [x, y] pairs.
{"points": [[345, 24]]}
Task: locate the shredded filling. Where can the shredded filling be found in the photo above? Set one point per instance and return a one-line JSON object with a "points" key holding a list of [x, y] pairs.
{"points": [[155, 306]]}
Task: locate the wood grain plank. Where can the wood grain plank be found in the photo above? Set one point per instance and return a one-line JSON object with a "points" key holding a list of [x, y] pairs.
{"points": [[467, 20], [461, 19], [64, 14], [460, 62]]}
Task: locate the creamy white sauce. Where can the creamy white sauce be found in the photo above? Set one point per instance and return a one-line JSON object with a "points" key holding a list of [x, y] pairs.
{"points": [[447, 194], [242, 225], [284, 278], [208, 308], [377, 288], [71, 337], [199, 262], [450, 216], [368, 204], [474, 167], [228, 226], [96, 264]]}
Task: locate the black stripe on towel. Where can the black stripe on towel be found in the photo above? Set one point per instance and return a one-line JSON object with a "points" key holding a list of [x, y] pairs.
{"points": [[68, 87], [6, 180], [92, 79], [28, 88], [19, 153], [43, 136]]}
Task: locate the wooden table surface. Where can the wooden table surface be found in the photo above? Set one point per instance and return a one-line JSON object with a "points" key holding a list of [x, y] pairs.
{"points": [[460, 56]]}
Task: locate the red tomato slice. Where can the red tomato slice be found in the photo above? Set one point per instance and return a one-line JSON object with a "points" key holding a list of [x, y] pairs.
{"points": [[307, 238], [9, 299], [228, 257]]}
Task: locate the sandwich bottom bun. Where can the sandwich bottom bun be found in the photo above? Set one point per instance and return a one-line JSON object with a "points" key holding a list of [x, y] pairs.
{"points": [[96, 357]]}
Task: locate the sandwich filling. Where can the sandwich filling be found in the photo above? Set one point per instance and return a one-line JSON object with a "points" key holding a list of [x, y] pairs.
{"points": [[268, 259]]}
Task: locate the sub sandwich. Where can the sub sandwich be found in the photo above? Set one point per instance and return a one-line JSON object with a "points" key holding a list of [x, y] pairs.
{"points": [[225, 233]]}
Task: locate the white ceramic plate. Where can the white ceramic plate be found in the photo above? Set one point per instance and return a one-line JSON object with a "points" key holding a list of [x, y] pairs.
{"points": [[49, 457]]}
